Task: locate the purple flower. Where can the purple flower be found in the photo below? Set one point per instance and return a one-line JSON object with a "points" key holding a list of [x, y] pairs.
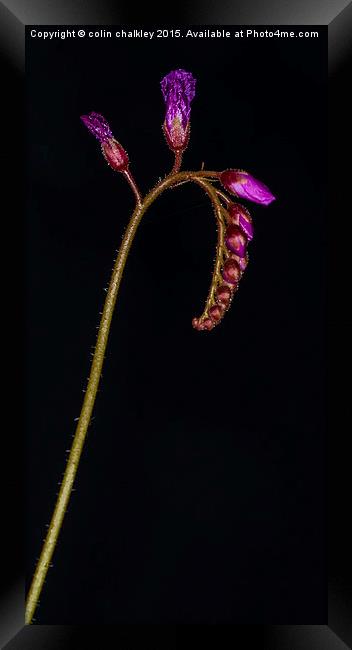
{"points": [[97, 125], [246, 186], [178, 88]]}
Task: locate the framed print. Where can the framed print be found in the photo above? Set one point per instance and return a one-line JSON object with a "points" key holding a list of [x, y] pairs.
{"points": [[184, 415]]}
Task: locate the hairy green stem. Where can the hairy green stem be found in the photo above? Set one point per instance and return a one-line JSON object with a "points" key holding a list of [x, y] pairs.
{"points": [[93, 382]]}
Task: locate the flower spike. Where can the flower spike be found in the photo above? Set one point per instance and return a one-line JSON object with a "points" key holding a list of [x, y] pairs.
{"points": [[235, 230]]}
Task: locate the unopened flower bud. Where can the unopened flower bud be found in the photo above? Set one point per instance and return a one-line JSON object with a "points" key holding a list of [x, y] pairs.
{"points": [[246, 186], [236, 241], [223, 295], [216, 312], [113, 152], [231, 271]]}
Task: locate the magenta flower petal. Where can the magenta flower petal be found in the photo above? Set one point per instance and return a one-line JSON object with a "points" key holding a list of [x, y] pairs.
{"points": [[97, 125], [245, 186], [178, 88]]}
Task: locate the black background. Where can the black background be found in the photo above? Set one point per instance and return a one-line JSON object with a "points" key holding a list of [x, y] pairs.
{"points": [[201, 492]]}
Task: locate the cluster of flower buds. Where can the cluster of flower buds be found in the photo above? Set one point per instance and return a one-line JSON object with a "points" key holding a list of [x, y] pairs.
{"points": [[233, 248]]}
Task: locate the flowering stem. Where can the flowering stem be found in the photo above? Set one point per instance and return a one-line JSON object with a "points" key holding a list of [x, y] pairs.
{"points": [[206, 174], [94, 379]]}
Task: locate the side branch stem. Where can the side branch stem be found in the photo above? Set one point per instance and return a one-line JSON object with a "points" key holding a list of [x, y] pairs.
{"points": [[133, 185]]}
